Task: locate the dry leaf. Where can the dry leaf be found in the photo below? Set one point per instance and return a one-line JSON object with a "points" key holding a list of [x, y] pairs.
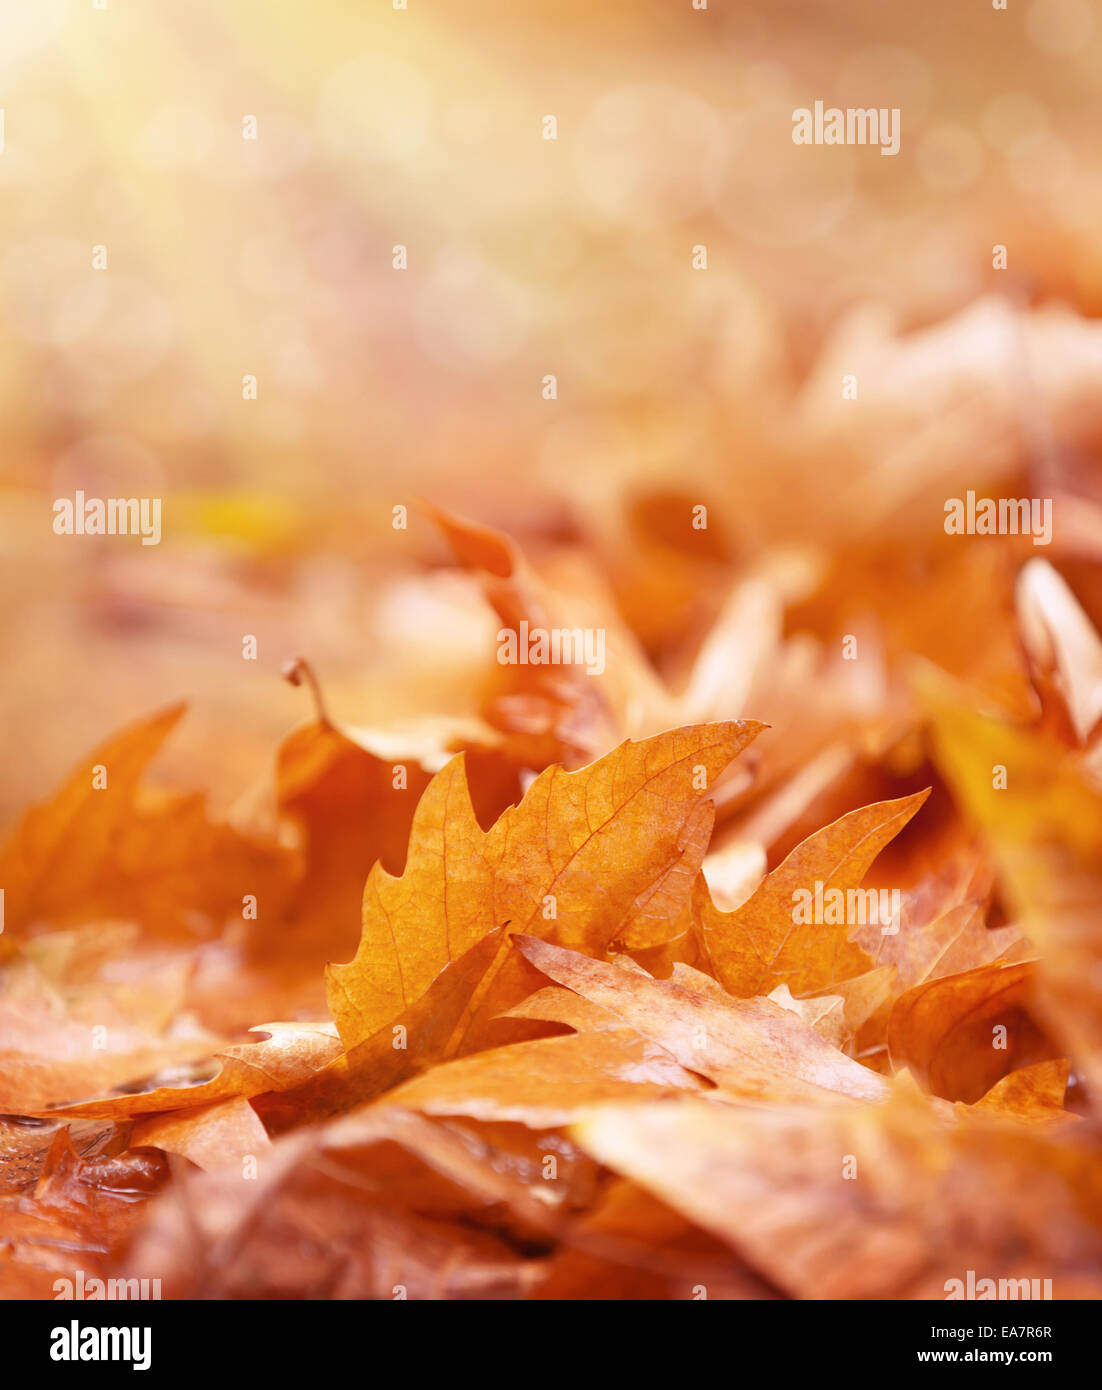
{"points": [[960, 1034], [536, 869], [1044, 823], [870, 1202], [748, 1047], [210, 1136], [762, 944]]}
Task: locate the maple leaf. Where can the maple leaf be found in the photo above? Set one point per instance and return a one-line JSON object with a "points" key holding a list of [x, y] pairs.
{"points": [[577, 989], [549, 1081], [415, 1040], [563, 713], [640, 1038], [106, 845], [954, 941]]}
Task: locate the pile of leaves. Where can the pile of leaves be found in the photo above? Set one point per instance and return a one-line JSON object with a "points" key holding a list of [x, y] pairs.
{"points": [[520, 1007]]}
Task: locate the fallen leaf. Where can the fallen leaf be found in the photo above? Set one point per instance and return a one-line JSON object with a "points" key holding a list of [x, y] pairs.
{"points": [[960, 1034], [282, 1061], [1043, 821], [57, 851], [1062, 642], [882, 1201], [748, 1047], [762, 944], [538, 864], [210, 1136], [1034, 1093]]}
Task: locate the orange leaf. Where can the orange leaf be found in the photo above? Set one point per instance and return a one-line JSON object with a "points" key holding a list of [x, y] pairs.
{"points": [[1043, 820], [885, 1201], [550, 1081], [1035, 1093], [761, 944], [584, 859], [57, 851], [749, 1047], [292, 1052], [961, 1033], [210, 1136]]}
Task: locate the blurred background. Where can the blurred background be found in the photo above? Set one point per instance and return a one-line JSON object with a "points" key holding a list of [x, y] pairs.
{"points": [[424, 128]]}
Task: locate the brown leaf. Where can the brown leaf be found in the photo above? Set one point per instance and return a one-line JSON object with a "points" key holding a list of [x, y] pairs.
{"points": [[417, 1039], [634, 1246], [106, 845], [81, 1213], [382, 1203]]}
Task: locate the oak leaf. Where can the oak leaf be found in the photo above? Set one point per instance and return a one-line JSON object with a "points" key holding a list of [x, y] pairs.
{"points": [[884, 1201], [587, 857], [761, 944], [748, 1047], [1043, 819], [960, 1034]]}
